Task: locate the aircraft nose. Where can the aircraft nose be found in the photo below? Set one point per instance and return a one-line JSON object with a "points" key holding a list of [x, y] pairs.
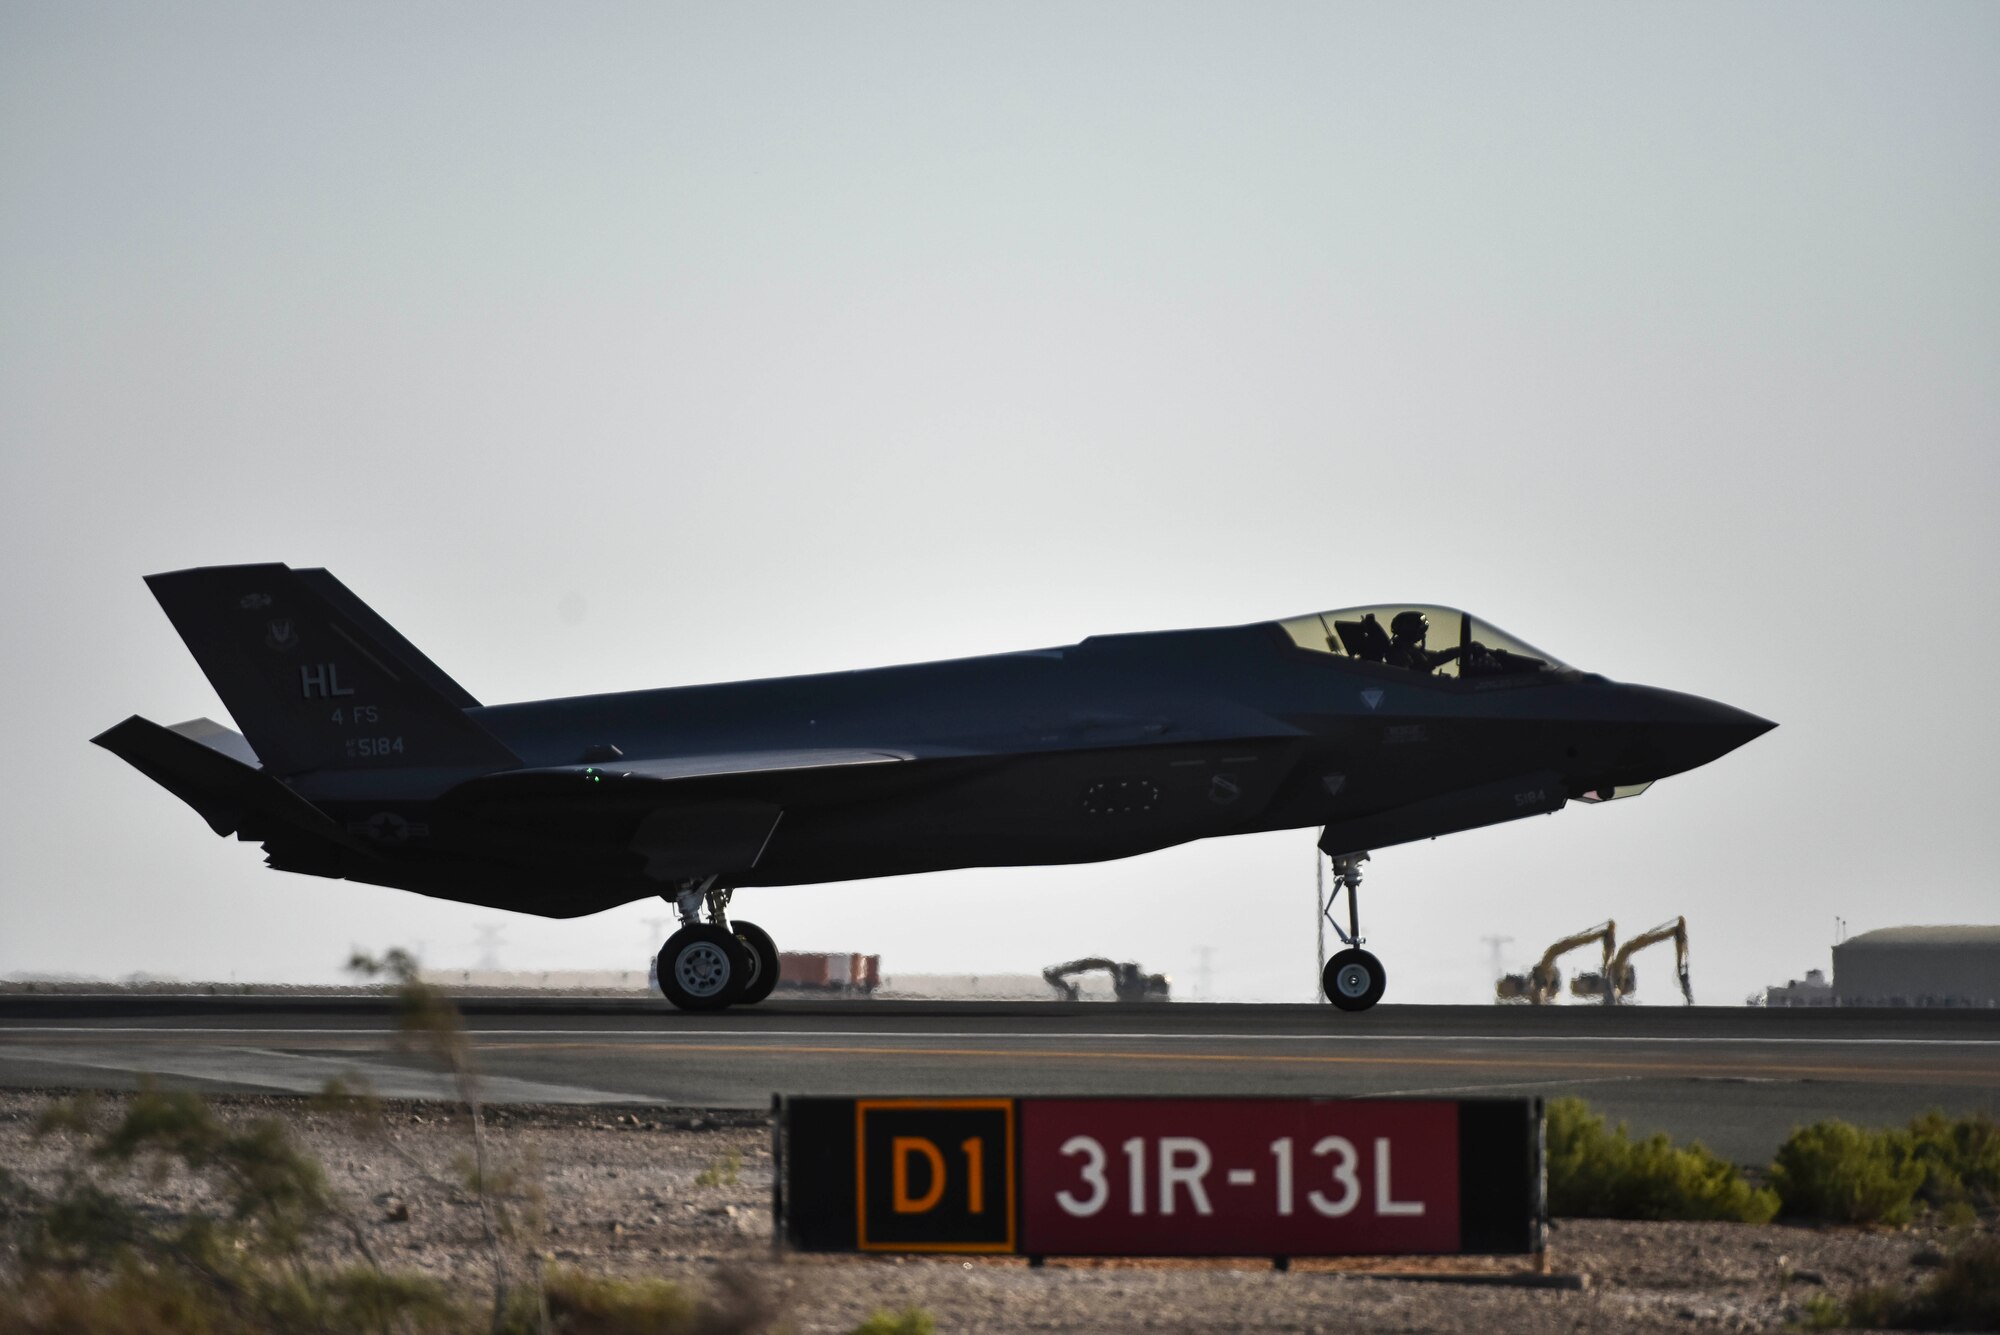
{"points": [[1679, 732]]}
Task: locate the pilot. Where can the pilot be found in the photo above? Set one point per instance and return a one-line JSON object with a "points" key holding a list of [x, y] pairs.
{"points": [[1406, 644]]}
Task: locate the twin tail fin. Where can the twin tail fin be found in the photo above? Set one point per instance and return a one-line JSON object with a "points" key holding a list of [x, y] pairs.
{"points": [[315, 679]]}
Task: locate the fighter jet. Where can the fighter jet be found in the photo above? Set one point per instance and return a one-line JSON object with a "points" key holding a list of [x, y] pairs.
{"points": [[360, 759]]}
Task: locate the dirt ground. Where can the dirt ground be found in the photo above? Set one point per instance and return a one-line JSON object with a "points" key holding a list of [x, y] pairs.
{"points": [[687, 1195]]}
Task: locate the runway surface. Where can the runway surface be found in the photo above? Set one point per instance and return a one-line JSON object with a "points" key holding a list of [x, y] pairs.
{"points": [[1736, 1078]]}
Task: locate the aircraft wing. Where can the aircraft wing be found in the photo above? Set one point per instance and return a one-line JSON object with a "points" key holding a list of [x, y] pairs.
{"points": [[697, 814], [671, 778], [715, 764]]}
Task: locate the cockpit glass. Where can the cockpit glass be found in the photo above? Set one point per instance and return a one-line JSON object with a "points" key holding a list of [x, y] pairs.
{"points": [[1431, 641]]}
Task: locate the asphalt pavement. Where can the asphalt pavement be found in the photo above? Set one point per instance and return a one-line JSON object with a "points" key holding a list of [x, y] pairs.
{"points": [[1736, 1078]]}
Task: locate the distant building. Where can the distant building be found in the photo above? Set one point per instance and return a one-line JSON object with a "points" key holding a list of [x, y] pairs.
{"points": [[1813, 990], [1919, 966]]}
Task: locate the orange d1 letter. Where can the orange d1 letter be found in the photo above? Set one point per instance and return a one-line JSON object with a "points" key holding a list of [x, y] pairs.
{"points": [[900, 1151]]}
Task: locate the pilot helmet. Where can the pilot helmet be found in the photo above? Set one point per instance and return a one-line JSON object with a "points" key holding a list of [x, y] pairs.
{"points": [[1411, 625]]}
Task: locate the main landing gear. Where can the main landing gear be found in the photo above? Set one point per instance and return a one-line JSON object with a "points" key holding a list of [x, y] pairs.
{"points": [[1353, 979], [706, 966]]}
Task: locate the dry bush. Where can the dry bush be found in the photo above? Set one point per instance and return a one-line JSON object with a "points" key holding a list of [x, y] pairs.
{"points": [[1963, 1295], [1598, 1172], [1839, 1173]]}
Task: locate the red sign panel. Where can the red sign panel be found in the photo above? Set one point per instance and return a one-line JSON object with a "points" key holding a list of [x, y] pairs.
{"points": [[1222, 1177]]}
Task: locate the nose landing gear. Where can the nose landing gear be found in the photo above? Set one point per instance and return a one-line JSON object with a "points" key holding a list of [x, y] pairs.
{"points": [[1353, 979], [706, 966]]}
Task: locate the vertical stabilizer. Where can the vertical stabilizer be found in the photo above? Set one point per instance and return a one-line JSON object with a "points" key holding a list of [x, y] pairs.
{"points": [[315, 679]]}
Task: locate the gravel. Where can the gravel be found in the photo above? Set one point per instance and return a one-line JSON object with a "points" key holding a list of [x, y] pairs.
{"points": [[686, 1195]]}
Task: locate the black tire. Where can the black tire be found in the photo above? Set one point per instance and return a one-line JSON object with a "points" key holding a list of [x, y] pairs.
{"points": [[763, 952], [1353, 980], [703, 968]]}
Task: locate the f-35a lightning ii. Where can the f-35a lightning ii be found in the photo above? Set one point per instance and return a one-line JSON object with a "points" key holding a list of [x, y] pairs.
{"points": [[360, 759]]}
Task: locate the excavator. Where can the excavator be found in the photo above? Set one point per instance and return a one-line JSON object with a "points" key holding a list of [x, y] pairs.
{"points": [[1128, 981], [1541, 985], [1592, 985]]}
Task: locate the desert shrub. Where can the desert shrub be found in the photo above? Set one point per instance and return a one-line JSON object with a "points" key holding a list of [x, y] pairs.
{"points": [[1963, 1295], [92, 1260], [724, 1172], [914, 1321], [1822, 1311], [272, 1247], [1862, 1309], [1957, 1214], [1960, 1157], [1837, 1172], [573, 1302], [582, 1302], [1600, 1172], [44, 1302], [170, 1302]]}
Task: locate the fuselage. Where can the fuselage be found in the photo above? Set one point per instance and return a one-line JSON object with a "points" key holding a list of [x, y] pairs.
{"points": [[1118, 745], [361, 759]]}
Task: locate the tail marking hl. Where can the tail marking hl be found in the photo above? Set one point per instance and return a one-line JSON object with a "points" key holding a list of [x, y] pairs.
{"points": [[315, 679]]}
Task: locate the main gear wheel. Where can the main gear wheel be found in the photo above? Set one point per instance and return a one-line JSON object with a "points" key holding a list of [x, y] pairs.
{"points": [[704, 968], [763, 952]]}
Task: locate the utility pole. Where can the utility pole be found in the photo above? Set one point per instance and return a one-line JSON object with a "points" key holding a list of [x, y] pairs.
{"points": [[1319, 921], [1493, 943], [489, 945]]}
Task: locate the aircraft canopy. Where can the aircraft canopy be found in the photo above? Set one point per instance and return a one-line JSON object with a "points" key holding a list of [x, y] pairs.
{"points": [[1433, 641]]}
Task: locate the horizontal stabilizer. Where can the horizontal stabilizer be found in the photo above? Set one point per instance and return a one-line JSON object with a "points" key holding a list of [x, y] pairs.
{"points": [[226, 741], [233, 796]]}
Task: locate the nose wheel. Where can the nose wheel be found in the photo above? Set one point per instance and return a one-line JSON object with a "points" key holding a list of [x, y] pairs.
{"points": [[1353, 979]]}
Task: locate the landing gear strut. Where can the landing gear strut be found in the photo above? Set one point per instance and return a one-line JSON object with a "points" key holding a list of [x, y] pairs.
{"points": [[706, 966], [1353, 979]]}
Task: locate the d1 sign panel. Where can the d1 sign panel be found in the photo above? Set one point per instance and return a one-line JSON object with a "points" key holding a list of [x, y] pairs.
{"points": [[1143, 1177]]}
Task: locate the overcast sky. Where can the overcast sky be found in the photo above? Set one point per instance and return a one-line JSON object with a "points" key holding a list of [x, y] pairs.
{"points": [[608, 346]]}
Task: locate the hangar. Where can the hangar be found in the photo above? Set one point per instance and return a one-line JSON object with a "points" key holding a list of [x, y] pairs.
{"points": [[1919, 966]]}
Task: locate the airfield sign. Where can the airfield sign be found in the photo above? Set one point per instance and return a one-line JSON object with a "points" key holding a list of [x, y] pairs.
{"points": [[1160, 1176]]}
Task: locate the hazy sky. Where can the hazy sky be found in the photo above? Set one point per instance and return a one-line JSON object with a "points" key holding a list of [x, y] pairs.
{"points": [[609, 346]]}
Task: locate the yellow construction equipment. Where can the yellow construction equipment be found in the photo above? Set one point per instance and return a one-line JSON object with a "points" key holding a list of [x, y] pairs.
{"points": [[1541, 985], [1627, 979]]}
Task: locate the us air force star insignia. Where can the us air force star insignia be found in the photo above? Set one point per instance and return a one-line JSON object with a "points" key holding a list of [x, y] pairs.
{"points": [[1371, 698], [253, 602]]}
